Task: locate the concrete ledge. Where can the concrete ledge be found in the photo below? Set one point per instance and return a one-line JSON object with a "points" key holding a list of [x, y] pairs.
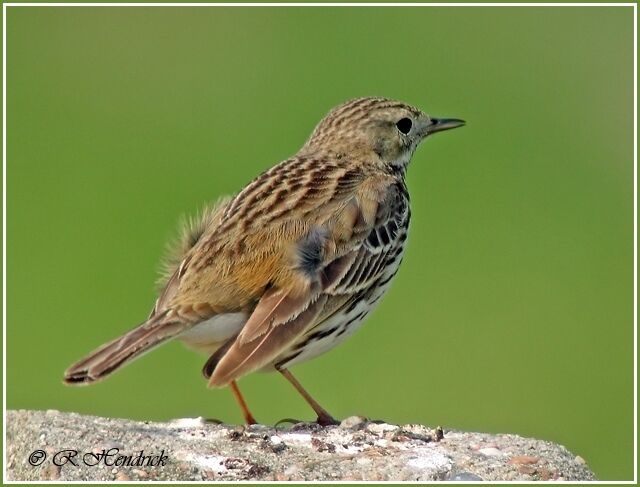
{"points": [[191, 449]]}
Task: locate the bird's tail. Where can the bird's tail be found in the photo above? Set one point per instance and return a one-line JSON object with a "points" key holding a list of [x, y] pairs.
{"points": [[113, 355]]}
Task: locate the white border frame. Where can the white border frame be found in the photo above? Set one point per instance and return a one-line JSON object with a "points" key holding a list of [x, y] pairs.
{"points": [[319, 4]]}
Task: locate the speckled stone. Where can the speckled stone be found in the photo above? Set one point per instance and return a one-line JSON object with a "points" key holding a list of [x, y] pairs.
{"points": [[192, 449]]}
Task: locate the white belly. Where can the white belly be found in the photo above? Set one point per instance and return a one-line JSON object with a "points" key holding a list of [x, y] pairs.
{"points": [[209, 335]]}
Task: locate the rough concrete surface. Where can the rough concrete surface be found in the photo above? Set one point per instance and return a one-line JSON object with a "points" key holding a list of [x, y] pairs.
{"points": [[193, 449]]}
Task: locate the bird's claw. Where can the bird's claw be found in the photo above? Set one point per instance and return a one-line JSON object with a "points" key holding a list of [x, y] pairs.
{"points": [[212, 421], [327, 420], [291, 421]]}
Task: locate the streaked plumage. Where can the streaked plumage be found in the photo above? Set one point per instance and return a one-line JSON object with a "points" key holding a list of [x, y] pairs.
{"points": [[292, 265]]}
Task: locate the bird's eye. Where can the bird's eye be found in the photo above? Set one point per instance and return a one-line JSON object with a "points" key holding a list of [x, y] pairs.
{"points": [[404, 125]]}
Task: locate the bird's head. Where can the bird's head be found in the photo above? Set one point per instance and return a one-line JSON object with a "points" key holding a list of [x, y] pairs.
{"points": [[386, 130]]}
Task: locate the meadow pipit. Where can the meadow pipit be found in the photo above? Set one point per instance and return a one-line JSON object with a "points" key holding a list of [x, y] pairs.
{"points": [[290, 266]]}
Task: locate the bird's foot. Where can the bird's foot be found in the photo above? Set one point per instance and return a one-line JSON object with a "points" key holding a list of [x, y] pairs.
{"points": [[292, 424], [327, 420]]}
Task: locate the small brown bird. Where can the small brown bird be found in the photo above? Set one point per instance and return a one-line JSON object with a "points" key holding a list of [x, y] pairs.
{"points": [[291, 266]]}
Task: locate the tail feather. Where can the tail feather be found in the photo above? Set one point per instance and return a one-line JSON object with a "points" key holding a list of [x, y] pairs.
{"points": [[238, 358], [212, 362], [111, 356]]}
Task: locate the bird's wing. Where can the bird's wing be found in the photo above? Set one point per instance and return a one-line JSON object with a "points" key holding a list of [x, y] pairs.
{"points": [[362, 274], [254, 246], [313, 264]]}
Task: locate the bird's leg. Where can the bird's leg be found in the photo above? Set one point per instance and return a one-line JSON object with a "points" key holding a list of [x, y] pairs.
{"points": [[324, 418], [248, 417]]}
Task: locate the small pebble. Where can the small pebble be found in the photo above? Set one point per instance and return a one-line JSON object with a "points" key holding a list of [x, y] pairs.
{"points": [[188, 422], [548, 475], [232, 463], [478, 446], [122, 477], [276, 440], [490, 452], [527, 469], [524, 460], [292, 470], [140, 473], [465, 477], [52, 472], [276, 444], [381, 428], [579, 460], [353, 422], [322, 446]]}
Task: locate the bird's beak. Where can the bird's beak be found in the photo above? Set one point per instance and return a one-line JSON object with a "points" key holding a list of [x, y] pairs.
{"points": [[440, 124]]}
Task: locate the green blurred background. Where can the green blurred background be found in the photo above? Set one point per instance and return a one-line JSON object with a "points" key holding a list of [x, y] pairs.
{"points": [[513, 311]]}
